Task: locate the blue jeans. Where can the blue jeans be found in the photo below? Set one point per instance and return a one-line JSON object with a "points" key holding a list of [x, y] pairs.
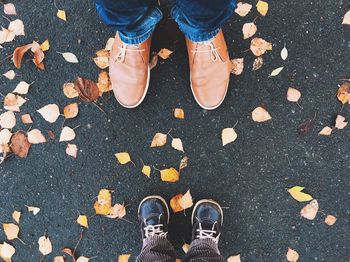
{"points": [[135, 20]]}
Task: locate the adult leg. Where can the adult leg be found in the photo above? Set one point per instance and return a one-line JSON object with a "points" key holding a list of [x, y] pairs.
{"points": [[154, 218], [207, 219]]}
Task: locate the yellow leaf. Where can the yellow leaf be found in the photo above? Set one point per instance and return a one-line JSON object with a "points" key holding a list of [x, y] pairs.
{"points": [[165, 53], [11, 231], [179, 113], [146, 170], [124, 258], [262, 7], [169, 175], [45, 45], [16, 215], [123, 157], [159, 139], [62, 15], [296, 193], [103, 205], [83, 221]]}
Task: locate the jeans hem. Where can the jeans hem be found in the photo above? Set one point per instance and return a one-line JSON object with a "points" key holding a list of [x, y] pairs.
{"points": [[137, 39]]}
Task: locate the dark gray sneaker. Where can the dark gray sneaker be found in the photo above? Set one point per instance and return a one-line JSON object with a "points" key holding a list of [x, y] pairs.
{"points": [[153, 214], [207, 220]]}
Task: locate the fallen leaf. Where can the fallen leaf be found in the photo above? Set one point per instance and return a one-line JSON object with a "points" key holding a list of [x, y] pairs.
{"points": [[306, 127], [186, 200], [179, 113], [258, 63], [11, 231], [6, 36], [259, 46], [72, 150], [45, 46], [183, 163], [346, 19], [177, 144], [87, 89], [71, 110], [58, 259], [83, 221], [61, 14], [236, 258], [26, 119], [70, 57], [326, 131], [118, 211], [10, 74], [237, 66], [185, 247], [38, 55], [34, 210], [13, 102], [45, 246], [10, 9], [293, 95], [262, 7], [228, 135], [146, 170], [83, 259], [310, 210], [69, 90], [16, 215], [159, 140], [51, 134], [6, 251], [36, 137], [3, 152], [260, 114], [181, 202], [19, 53], [19, 144], [249, 29], [102, 62], [50, 112], [276, 71], [109, 44], [165, 53], [104, 84], [169, 175], [123, 258], [17, 27], [243, 9], [296, 193], [69, 252], [284, 53], [5, 136], [343, 93], [8, 120], [292, 255], [330, 220], [22, 88], [67, 134], [103, 205], [340, 122], [123, 157]]}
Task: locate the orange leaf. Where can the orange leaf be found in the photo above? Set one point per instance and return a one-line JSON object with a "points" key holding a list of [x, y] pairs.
{"points": [[19, 53]]}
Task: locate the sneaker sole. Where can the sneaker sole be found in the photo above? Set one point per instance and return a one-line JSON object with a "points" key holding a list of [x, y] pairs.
{"points": [[159, 198], [207, 201]]}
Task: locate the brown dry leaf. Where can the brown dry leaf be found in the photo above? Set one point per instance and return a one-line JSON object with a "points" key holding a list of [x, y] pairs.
{"points": [[260, 114], [22, 88], [248, 30], [177, 144], [259, 46], [103, 53], [83, 221], [10, 74], [228, 135], [67, 134], [51, 134], [10, 9], [124, 258], [343, 93], [340, 122], [72, 150], [50, 112], [292, 255], [34, 210], [5, 136], [262, 7], [330, 220], [237, 66], [181, 202], [69, 90], [103, 205], [8, 120], [17, 27], [6, 252], [19, 144], [11, 231], [109, 44], [326, 131], [102, 62], [159, 140], [26, 119], [45, 246], [123, 157], [45, 46], [179, 113], [183, 163], [146, 170], [243, 9], [61, 14], [169, 175], [87, 89], [104, 84], [306, 127], [258, 63], [154, 60], [16, 215], [293, 95], [118, 211], [58, 259], [38, 55], [165, 53], [71, 110], [69, 252], [236, 258], [13, 102], [346, 19], [36, 137], [310, 210], [19, 53]]}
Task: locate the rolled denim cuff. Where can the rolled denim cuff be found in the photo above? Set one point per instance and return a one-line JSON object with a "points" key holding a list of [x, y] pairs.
{"points": [[134, 40]]}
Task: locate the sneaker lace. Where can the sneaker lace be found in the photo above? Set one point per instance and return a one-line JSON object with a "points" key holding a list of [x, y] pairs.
{"points": [[123, 49], [214, 55], [154, 230], [207, 234]]}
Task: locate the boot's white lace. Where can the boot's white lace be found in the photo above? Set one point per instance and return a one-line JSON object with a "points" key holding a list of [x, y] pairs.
{"points": [[154, 230], [207, 234], [123, 49], [214, 55]]}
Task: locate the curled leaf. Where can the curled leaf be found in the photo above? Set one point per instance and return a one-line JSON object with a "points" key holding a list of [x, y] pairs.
{"points": [[310, 210], [19, 144], [19, 53], [87, 89]]}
